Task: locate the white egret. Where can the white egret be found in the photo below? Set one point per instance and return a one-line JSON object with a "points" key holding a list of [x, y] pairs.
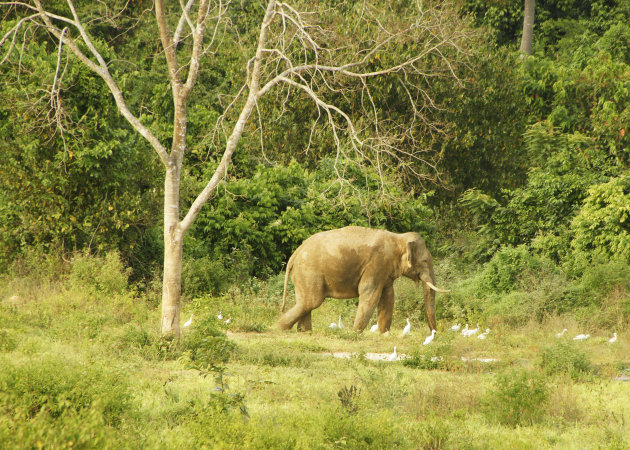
{"points": [[332, 325], [455, 328], [484, 334], [465, 330], [374, 328], [407, 328], [228, 320], [581, 337], [559, 335], [189, 321], [340, 323], [220, 316], [429, 339], [393, 356], [472, 331], [613, 339]]}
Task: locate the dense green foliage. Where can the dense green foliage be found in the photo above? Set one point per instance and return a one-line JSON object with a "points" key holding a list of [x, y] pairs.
{"points": [[532, 198], [254, 223]]}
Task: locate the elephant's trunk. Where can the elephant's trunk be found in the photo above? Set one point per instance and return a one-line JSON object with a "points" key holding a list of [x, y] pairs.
{"points": [[429, 290], [429, 306]]}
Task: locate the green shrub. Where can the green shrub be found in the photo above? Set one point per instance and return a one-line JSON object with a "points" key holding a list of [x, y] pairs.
{"points": [[207, 346], [434, 433], [276, 360], [361, 431], [205, 275], [36, 266], [7, 341], [135, 336], [603, 292], [507, 268], [60, 387], [514, 287], [602, 224], [98, 274], [518, 398], [85, 428], [513, 309], [564, 358]]}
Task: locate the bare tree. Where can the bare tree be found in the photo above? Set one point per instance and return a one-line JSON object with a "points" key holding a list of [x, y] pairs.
{"points": [[297, 51], [528, 27]]}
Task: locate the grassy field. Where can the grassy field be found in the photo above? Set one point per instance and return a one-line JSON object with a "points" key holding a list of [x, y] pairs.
{"points": [[82, 366]]}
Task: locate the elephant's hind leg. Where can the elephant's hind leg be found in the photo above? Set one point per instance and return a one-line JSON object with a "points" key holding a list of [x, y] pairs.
{"points": [[289, 318], [300, 313]]}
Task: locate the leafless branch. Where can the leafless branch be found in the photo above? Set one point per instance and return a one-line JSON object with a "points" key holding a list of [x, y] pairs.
{"points": [[100, 68], [13, 34], [184, 19]]}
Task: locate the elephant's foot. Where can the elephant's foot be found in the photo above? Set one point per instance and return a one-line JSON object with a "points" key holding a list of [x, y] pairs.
{"points": [[304, 323], [283, 326]]}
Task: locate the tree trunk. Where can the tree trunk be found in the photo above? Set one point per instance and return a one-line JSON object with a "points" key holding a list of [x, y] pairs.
{"points": [[173, 245], [528, 27]]}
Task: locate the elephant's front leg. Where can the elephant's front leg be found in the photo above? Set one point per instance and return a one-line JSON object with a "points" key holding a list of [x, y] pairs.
{"points": [[369, 296], [386, 309]]}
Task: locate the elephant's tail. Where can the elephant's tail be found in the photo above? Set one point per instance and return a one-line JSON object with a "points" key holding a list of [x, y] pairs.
{"points": [[286, 280]]}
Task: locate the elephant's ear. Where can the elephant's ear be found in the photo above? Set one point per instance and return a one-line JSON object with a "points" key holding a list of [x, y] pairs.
{"points": [[411, 250]]}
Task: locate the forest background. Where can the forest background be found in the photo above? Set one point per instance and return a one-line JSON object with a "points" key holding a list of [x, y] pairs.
{"points": [[524, 202], [529, 153]]}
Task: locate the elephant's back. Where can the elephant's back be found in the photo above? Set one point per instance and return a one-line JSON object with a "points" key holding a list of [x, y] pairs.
{"points": [[351, 235], [346, 246]]}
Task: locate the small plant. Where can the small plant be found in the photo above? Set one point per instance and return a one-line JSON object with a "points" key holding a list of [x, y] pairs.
{"points": [[207, 350], [432, 357], [224, 401], [275, 360], [424, 362], [168, 348], [434, 434], [565, 358], [348, 397], [519, 398], [252, 327], [207, 346], [7, 342]]}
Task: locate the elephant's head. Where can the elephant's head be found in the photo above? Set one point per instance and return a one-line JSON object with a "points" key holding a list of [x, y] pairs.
{"points": [[418, 266]]}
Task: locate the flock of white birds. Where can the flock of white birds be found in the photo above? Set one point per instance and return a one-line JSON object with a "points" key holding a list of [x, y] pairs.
{"points": [[466, 332], [469, 332], [583, 337]]}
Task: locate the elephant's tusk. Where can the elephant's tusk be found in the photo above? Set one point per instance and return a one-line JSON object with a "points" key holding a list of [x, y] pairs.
{"points": [[435, 288]]}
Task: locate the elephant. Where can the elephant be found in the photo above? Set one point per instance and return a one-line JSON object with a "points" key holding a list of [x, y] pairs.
{"points": [[355, 262]]}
